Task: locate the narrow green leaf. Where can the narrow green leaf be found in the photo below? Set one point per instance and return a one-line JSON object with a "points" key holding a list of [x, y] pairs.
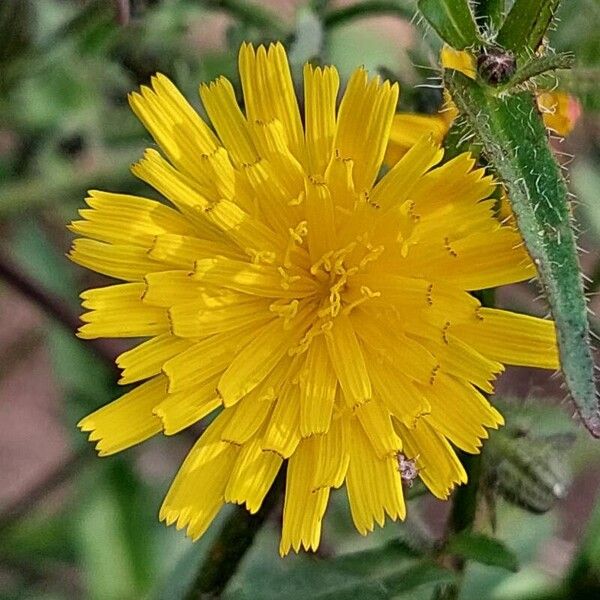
{"points": [[526, 25], [482, 549], [539, 66], [515, 143], [378, 574], [453, 21], [491, 11]]}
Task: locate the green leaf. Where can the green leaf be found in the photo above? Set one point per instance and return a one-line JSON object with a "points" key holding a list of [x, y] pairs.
{"points": [[526, 25], [483, 549], [492, 11], [453, 21], [515, 143], [112, 530], [378, 574]]}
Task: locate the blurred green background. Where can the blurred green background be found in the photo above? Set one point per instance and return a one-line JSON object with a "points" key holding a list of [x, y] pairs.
{"points": [[75, 526]]}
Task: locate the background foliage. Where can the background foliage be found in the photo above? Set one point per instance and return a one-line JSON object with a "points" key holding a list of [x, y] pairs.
{"points": [[73, 526]]}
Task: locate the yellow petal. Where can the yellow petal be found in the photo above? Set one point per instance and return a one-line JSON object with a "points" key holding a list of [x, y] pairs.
{"points": [[127, 421], [407, 129], [320, 95], [248, 416], [560, 111], [129, 263], [182, 409], [249, 278], [332, 454], [460, 412], [243, 229], [463, 361], [399, 395], [182, 251], [438, 465], [459, 60], [269, 91], [167, 288], [320, 219], [147, 359], [259, 357], [318, 385], [461, 182], [204, 359], [252, 476], [207, 468], [282, 434], [221, 106], [193, 319], [303, 508], [173, 123], [396, 185], [416, 361], [512, 338], [377, 424], [125, 219], [186, 194], [374, 486], [348, 361], [364, 123], [499, 255], [272, 193], [110, 303]]}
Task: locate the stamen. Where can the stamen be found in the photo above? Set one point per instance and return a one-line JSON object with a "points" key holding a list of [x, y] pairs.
{"points": [[366, 294], [371, 256], [445, 332], [449, 247], [429, 296], [297, 235], [261, 256], [286, 310], [286, 278], [322, 266]]}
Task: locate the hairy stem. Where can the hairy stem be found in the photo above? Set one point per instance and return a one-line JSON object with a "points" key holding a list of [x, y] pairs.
{"points": [[369, 8]]}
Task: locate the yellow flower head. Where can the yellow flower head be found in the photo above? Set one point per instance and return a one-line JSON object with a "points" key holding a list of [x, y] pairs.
{"points": [[324, 308]]}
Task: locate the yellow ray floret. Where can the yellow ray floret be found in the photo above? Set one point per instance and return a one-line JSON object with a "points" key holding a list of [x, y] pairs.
{"points": [[322, 306]]}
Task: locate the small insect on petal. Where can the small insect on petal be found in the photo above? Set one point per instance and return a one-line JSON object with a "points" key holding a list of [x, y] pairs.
{"points": [[407, 467]]}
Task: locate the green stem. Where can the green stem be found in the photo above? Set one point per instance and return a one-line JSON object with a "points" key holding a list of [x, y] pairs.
{"points": [[251, 14], [235, 539], [462, 518], [464, 507], [369, 8]]}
